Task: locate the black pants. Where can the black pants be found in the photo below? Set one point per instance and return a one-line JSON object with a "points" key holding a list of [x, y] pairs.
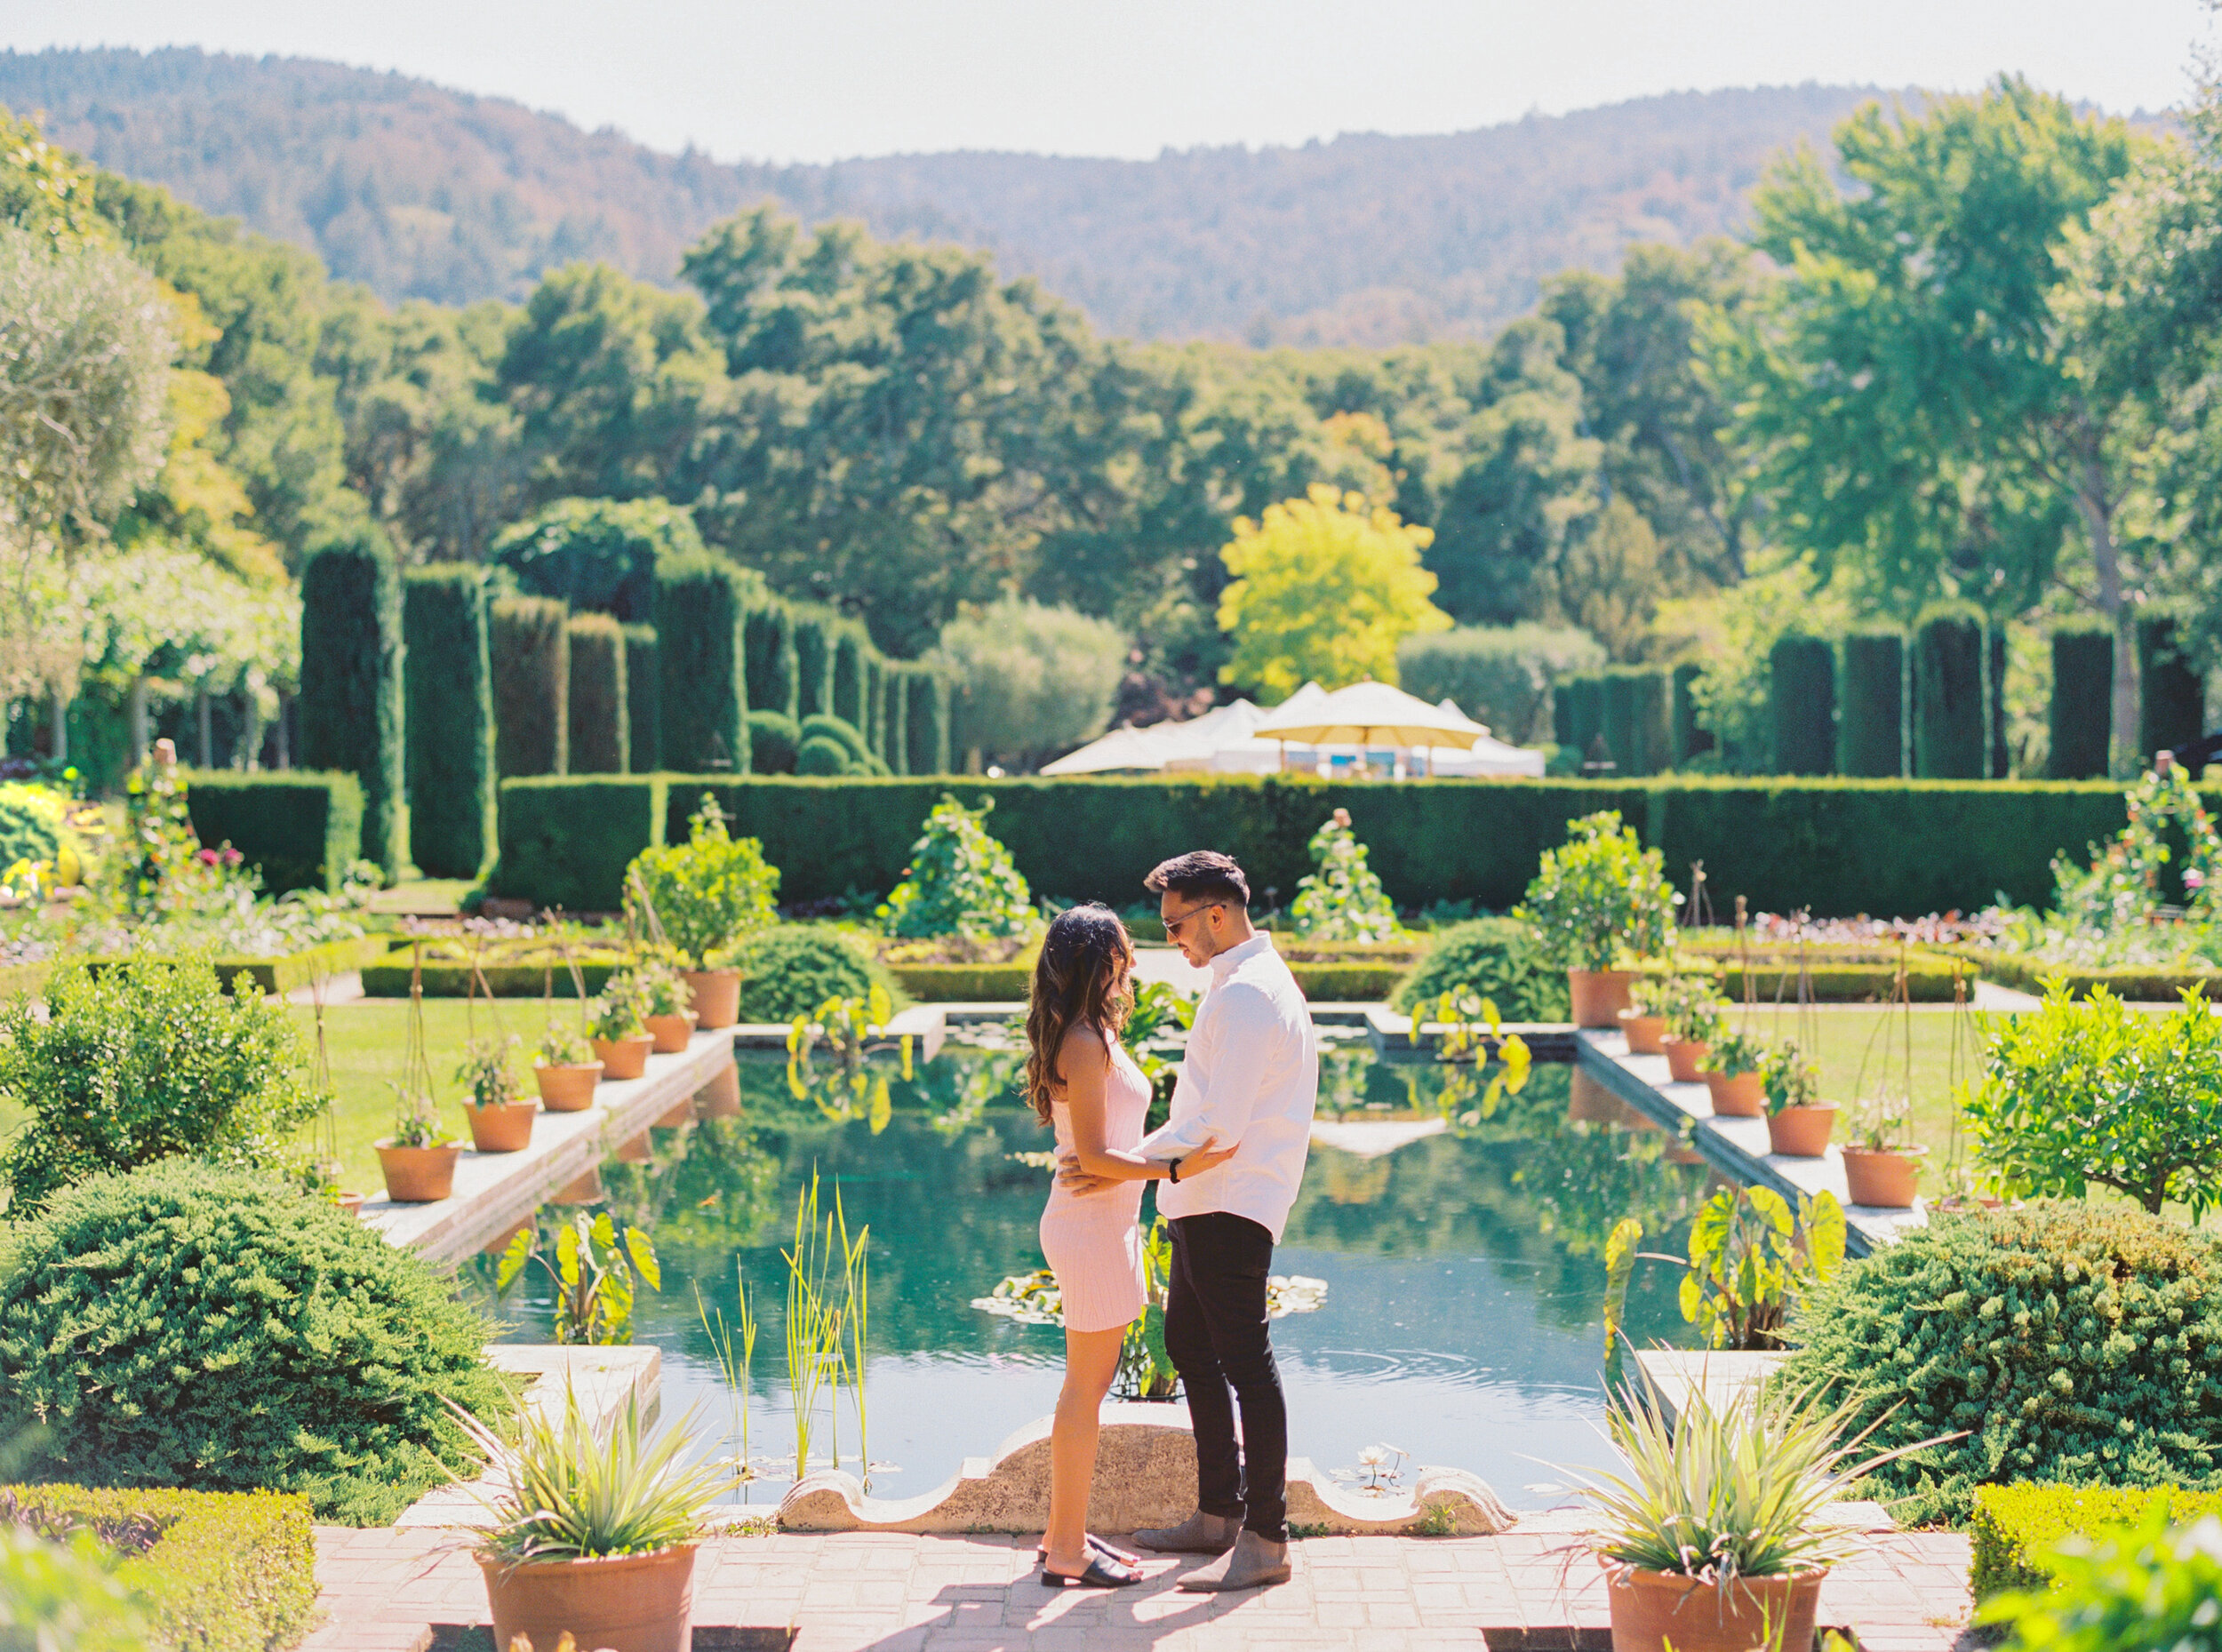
{"points": [[1217, 1335]]}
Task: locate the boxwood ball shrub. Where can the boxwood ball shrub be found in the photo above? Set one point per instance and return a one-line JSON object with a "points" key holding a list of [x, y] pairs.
{"points": [[1493, 958], [216, 1330], [862, 760], [773, 740], [822, 756], [791, 970], [2071, 1342]]}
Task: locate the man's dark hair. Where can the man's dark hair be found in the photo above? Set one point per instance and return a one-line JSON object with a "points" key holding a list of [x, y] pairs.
{"points": [[1202, 874]]}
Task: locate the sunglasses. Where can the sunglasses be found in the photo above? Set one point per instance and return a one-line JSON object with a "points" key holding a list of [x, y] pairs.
{"points": [[1172, 925]]}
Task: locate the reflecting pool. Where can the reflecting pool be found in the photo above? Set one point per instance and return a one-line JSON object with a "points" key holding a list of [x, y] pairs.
{"points": [[1462, 1323]]}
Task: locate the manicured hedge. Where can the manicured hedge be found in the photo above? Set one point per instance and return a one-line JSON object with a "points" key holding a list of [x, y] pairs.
{"points": [[532, 660], [814, 628], [217, 1571], [389, 977], [963, 983], [702, 654], [1802, 704], [2172, 694], [298, 830], [2002, 756], [2082, 702], [875, 704], [926, 740], [567, 841], [643, 684], [1871, 731], [2137, 986], [1689, 739], [448, 678], [2014, 1527], [895, 719], [774, 673], [351, 696], [1948, 695], [599, 712], [1583, 698], [851, 674]]}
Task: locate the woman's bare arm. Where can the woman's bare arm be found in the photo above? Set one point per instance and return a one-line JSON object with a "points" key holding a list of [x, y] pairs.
{"points": [[1085, 1061]]}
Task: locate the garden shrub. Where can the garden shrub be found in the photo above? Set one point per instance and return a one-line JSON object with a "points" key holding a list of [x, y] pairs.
{"points": [[814, 627], [823, 756], [926, 741], [1498, 675], [319, 1353], [960, 882], [351, 703], [598, 709], [599, 555], [895, 720], [1599, 897], [2082, 715], [1948, 693], [791, 969], [702, 654], [214, 1571], [1494, 958], [1802, 704], [566, 843], [296, 829], [873, 728], [143, 1061], [32, 824], [1689, 739], [1582, 697], [530, 644], [2171, 690], [2014, 1527], [643, 685], [2001, 755], [2147, 1588], [1341, 900], [2078, 1342], [710, 891], [1632, 703], [773, 740], [447, 675], [843, 733], [773, 670], [1871, 730], [851, 687]]}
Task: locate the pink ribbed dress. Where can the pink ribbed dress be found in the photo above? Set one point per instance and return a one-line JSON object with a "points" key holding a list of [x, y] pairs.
{"points": [[1091, 1241]]}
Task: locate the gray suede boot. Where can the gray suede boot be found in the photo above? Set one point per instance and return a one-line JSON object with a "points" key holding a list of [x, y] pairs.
{"points": [[1251, 1564], [1199, 1534]]}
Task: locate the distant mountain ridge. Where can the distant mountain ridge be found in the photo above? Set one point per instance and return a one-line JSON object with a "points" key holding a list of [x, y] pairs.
{"points": [[422, 192]]}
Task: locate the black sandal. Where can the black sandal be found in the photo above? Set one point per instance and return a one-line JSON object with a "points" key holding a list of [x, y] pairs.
{"points": [[1098, 1575], [1097, 1546]]}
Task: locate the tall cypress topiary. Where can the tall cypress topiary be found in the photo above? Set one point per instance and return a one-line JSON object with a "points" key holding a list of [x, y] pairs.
{"points": [[774, 673], [1617, 705], [351, 712], [814, 628], [600, 725], [532, 658], [1948, 693], [926, 711], [2081, 718], [1995, 701], [1871, 732], [1653, 717], [642, 692], [2172, 698], [895, 719], [1690, 739], [850, 687], [874, 725], [701, 658], [447, 679], [1584, 694], [1802, 704]]}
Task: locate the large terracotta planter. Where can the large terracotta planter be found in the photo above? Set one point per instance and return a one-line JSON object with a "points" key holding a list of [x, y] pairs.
{"points": [[505, 1126], [1652, 1610], [1882, 1179], [624, 1058], [626, 1603], [1643, 1032], [1802, 1132], [671, 1032], [569, 1088], [418, 1176], [1684, 1058], [1743, 1097], [716, 995], [720, 1098], [1599, 995]]}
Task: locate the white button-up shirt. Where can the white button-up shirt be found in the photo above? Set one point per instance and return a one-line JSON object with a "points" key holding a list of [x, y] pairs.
{"points": [[1250, 1074]]}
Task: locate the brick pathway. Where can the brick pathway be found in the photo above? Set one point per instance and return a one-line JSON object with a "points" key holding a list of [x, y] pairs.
{"points": [[381, 1590]]}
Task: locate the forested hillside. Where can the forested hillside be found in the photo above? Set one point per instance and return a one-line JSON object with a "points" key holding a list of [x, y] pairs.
{"points": [[421, 192]]}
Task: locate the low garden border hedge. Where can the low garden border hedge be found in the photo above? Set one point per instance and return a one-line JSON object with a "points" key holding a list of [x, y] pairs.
{"points": [[300, 829], [2146, 986], [219, 1571], [2013, 1526], [388, 976]]}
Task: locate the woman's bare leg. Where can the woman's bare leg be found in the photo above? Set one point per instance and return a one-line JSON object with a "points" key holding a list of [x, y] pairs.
{"points": [[1092, 1362]]}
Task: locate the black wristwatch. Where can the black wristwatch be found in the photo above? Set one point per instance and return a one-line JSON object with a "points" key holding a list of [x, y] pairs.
{"points": [[1173, 1175]]}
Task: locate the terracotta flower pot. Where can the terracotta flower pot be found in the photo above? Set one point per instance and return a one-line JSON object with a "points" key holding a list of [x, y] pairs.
{"points": [[505, 1126], [671, 1032], [1684, 1058], [418, 1176], [1802, 1132], [716, 995], [1643, 1032], [1882, 1179], [351, 1204], [569, 1088], [1653, 1609], [626, 1602], [720, 1098], [1599, 995], [1743, 1097], [624, 1058]]}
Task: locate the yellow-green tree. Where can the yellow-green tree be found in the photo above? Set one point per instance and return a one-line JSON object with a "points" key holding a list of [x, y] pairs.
{"points": [[1324, 587]]}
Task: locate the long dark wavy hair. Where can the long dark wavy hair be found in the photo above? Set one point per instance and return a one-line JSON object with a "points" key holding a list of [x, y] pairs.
{"points": [[1077, 982]]}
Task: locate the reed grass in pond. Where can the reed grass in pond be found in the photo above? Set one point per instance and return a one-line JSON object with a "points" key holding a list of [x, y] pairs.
{"points": [[1462, 1323]]}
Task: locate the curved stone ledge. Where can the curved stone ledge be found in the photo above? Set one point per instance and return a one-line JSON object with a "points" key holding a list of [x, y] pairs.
{"points": [[1145, 1476]]}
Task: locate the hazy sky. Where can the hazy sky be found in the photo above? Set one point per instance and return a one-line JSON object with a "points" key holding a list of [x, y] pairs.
{"points": [[819, 79]]}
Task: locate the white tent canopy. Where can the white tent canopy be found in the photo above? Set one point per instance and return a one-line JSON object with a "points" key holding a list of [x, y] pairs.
{"points": [[1371, 714]]}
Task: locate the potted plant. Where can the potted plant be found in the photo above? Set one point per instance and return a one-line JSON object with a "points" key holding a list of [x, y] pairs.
{"points": [[1881, 1162], [1733, 1073], [418, 1159], [590, 1533], [1598, 898], [1798, 1121], [501, 1120], [663, 1006], [1692, 1026], [566, 1070], [621, 1043], [1716, 1537], [1653, 1000], [702, 898]]}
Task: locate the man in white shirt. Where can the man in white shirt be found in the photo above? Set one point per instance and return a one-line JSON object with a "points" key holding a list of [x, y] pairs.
{"points": [[1250, 1075]]}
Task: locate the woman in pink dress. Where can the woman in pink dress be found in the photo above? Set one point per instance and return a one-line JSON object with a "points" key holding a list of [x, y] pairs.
{"points": [[1082, 1083]]}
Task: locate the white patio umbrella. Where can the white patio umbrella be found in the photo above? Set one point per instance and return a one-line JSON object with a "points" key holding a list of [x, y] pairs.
{"points": [[1371, 713]]}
